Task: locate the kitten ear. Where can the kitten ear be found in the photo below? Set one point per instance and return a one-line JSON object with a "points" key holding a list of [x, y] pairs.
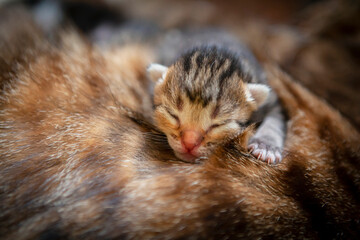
{"points": [[257, 93], [156, 72]]}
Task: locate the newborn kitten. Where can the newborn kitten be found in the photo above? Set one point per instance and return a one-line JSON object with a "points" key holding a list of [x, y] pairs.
{"points": [[210, 94]]}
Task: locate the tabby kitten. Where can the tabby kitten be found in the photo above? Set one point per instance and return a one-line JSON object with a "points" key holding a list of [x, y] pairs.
{"points": [[209, 95]]}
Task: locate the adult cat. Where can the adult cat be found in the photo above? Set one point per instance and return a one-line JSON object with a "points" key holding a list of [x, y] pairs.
{"points": [[78, 158]]}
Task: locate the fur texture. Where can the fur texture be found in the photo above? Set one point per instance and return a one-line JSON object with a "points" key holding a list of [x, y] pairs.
{"points": [[210, 93], [78, 158], [203, 99]]}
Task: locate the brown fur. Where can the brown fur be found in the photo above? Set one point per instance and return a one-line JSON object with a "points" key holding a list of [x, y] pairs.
{"points": [[213, 86], [321, 51], [78, 159]]}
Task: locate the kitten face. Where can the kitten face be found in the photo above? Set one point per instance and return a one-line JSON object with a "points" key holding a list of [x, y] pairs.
{"points": [[200, 101]]}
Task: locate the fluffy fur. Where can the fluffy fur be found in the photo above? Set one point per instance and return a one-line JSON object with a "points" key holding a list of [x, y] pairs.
{"points": [[209, 94], [205, 91], [78, 158]]}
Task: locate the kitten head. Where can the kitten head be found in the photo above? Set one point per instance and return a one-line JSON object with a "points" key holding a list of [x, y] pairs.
{"points": [[202, 99]]}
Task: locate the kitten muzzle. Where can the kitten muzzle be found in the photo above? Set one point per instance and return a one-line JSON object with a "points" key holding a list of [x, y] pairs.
{"points": [[191, 140]]}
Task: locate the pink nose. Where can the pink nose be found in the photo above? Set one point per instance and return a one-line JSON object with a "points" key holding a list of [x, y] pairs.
{"points": [[191, 139]]}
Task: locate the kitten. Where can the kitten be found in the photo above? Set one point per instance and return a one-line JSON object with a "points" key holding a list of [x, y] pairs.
{"points": [[211, 94], [77, 163]]}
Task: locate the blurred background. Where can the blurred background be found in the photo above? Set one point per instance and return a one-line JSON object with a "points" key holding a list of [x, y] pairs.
{"points": [[86, 14], [316, 42]]}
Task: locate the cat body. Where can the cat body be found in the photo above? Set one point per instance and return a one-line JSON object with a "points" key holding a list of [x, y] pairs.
{"points": [[80, 158], [210, 93]]}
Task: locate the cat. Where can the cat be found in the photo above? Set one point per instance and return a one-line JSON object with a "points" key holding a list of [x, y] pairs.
{"points": [[81, 159], [211, 93]]}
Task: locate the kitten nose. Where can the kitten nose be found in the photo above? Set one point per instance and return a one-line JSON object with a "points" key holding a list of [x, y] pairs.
{"points": [[190, 139]]}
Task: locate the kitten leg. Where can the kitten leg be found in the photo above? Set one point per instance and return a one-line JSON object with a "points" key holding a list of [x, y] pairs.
{"points": [[268, 141]]}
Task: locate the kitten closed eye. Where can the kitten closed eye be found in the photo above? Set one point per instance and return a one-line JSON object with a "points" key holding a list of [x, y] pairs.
{"points": [[217, 125], [173, 116], [214, 126]]}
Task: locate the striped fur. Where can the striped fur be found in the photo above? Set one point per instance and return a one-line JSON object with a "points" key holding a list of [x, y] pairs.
{"points": [[80, 159], [210, 90]]}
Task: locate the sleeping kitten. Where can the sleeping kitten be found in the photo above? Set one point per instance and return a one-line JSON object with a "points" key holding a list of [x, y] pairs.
{"points": [[211, 94], [79, 161]]}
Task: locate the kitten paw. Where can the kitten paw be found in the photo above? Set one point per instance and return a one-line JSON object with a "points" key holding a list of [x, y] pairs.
{"points": [[265, 152]]}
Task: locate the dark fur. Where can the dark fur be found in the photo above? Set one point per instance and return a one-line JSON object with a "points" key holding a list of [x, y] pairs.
{"points": [[213, 58]]}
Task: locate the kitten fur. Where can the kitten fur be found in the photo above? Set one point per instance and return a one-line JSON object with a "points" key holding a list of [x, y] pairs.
{"points": [[209, 95], [80, 160]]}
